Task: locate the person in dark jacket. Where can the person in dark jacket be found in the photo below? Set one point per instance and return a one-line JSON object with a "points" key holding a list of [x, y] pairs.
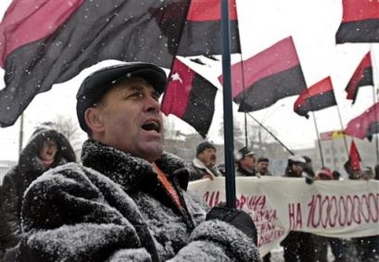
{"points": [[246, 162], [128, 201], [297, 246], [204, 162], [46, 148], [262, 167]]}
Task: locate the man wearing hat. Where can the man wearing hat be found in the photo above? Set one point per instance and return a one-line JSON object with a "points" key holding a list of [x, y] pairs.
{"points": [[204, 162], [297, 246], [262, 166], [129, 200], [295, 166], [246, 162]]}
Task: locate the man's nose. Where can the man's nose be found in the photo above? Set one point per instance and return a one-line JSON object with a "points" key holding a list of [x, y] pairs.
{"points": [[152, 104]]}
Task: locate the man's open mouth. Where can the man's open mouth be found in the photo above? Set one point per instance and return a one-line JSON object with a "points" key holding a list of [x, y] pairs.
{"points": [[152, 125]]}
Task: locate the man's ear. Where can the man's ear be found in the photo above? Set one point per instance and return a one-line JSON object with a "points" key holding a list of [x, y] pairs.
{"points": [[94, 119]]}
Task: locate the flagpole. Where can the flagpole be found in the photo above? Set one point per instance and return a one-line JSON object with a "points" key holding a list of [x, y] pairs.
{"points": [[341, 124], [230, 187], [318, 139], [375, 89], [246, 140], [21, 134], [268, 131]]}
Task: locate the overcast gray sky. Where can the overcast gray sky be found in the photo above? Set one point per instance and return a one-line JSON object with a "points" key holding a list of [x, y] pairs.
{"points": [[312, 25]]}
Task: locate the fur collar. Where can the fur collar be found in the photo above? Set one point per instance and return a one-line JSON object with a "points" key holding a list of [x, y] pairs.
{"points": [[132, 173]]}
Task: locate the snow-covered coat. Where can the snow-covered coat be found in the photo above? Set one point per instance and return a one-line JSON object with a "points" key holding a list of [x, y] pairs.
{"points": [[15, 182], [115, 209]]}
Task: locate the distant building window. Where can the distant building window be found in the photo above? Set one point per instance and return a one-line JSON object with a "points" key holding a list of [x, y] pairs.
{"points": [[328, 160], [327, 151]]}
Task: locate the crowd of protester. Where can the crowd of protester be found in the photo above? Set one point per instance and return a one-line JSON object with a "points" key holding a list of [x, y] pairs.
{"points": [[302, 246]]}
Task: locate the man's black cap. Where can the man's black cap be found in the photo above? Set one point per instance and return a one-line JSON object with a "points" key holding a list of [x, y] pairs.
{"points": [[263, 159], [240, 154], [98, 83], [203, 146]]}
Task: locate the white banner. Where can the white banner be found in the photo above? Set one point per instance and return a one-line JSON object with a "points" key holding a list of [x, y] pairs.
{"points": [[277, 205]]}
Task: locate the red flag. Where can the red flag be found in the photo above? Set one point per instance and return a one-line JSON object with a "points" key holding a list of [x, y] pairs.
{"points": [[360, 22], [317, 97], [360, 126], [354, 162], [190, 97], [362, 77], [201, 34], [270, 75]]}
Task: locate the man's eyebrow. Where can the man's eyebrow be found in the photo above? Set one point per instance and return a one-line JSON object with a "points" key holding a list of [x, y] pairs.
{"points": [[135, 86]]}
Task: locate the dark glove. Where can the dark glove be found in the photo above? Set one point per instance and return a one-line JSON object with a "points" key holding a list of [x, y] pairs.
{"points": [[238, 218]]}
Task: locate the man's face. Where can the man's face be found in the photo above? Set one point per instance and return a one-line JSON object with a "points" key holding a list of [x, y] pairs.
{"points": [[208, 157], [297, 168], [132, 120], [48, 150], [262, 166], [248, 162], [309, 165]]}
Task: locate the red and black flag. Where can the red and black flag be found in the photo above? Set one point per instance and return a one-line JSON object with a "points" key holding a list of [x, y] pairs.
{"points": [[190, 97], [364, 125], [45, 42], [353, 164], [317, 97], [360, 22], [362, 77], [270, 75], [201, 34]]}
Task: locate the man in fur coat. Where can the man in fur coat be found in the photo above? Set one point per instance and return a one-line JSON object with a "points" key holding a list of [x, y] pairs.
{"points": [[46, 148], [128, 202]]}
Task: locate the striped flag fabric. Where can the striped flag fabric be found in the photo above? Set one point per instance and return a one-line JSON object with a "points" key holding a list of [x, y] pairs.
{"points": [[201, 34], [45, 42], [190, 97], [317, 97], [270, 75], [360, 22], [363, 76], [359, 127]]}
